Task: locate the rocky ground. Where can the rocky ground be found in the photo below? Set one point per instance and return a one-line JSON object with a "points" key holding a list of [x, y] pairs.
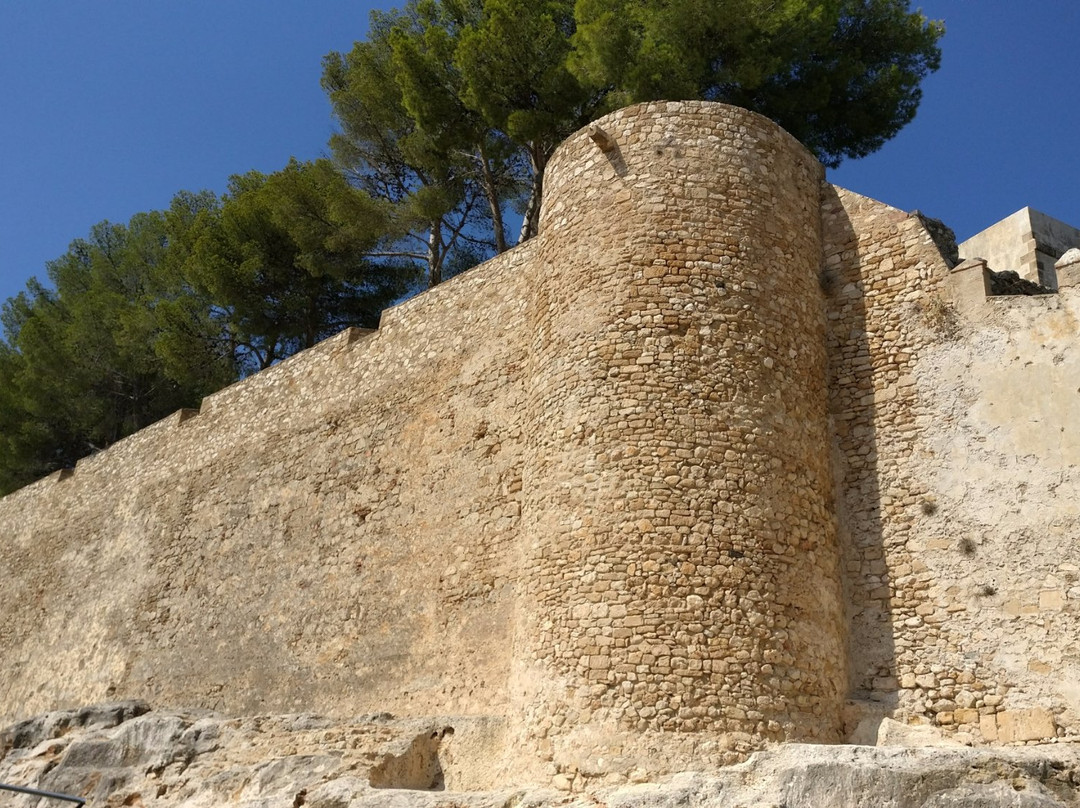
{"points": [[126, 754]]}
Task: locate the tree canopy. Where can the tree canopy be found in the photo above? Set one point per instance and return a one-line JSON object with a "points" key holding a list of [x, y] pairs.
{"points": [[466, 97], [285, 260], [79, 364], [843, 76], [448, 114], [445, 87], [139, 320], [407, 140]]}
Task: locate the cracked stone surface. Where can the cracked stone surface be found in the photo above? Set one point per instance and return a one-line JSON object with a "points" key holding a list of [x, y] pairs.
{"points": [[126, 754]]}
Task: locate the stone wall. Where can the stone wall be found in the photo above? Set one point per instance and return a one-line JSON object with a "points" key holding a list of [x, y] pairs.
{"points": [[1003, 555], [955, 446], [682, 539], [331, 534], [1027, 242], [721, 452]]}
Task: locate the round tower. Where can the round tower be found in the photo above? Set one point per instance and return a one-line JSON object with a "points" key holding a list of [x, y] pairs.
{"points": [[680, 592]]}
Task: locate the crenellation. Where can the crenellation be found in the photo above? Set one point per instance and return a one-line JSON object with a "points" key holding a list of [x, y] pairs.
{"points": [[724, 457]]}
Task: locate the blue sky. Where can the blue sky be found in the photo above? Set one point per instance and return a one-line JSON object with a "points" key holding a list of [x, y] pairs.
{"points": [[999, 124], [108, 107]]}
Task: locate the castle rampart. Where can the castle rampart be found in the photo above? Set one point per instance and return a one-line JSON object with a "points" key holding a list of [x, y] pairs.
{"points": [[334, 533], [724, 456]]}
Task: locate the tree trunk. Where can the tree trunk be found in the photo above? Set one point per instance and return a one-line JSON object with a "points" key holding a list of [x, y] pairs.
{"points": [[492, 195], [311, 328], [530, 225], [435, 254]]}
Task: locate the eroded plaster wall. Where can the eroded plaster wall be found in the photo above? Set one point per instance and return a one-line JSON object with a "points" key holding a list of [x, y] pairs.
{"points": [[332, 534], [956, 457], [1005, 541]]}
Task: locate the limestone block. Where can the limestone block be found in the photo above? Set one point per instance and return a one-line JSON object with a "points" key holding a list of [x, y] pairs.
{"points": [[969, 284], [1068, 269], [966, 716], [1031, 724], [1051, 601], [878, 731]]}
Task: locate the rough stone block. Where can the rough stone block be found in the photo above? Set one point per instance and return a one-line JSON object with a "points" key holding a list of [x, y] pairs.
{"points": [[1031, 724], [969, 284], [1051, 601]]}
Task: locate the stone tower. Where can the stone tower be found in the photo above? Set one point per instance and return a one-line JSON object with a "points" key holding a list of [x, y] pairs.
{"points": [[680, 569]]}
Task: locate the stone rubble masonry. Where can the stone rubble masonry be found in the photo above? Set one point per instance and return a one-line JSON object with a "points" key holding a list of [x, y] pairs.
{"points": [[725, 456], [956, 459], [681, 547]]}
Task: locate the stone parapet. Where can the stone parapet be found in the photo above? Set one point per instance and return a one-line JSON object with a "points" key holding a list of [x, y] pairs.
{"points": [[1067, 269], [970, 284]]}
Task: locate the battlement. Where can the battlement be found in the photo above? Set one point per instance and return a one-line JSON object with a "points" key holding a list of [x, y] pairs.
{"points": [[724, 456]]}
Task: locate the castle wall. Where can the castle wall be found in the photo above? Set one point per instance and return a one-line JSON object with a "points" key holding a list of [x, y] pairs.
{"points": [[1007, 245], [713, 461], [879, 264], [1006, 475], [328, 535], [956, 451], [681, 556], [586, 485]]}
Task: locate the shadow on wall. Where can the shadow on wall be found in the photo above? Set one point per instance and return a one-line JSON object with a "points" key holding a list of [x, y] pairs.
{"points": [[853, 412], [417, 768]]}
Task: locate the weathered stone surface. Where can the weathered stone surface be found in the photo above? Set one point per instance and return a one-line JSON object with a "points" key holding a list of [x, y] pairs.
{"points": [[115, 755], [954, 440], [199, 760], [1033, 724], [726, 456], [689, 410], [1009, 282], [1070, 257]]}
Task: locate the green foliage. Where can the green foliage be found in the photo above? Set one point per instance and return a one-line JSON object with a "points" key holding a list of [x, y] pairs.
{"points": [[515, 66], [424, 42], [448, 100], [143, 319], [285, 261], [843, 76], [449, 110], [419, 172], [79, 363]]}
